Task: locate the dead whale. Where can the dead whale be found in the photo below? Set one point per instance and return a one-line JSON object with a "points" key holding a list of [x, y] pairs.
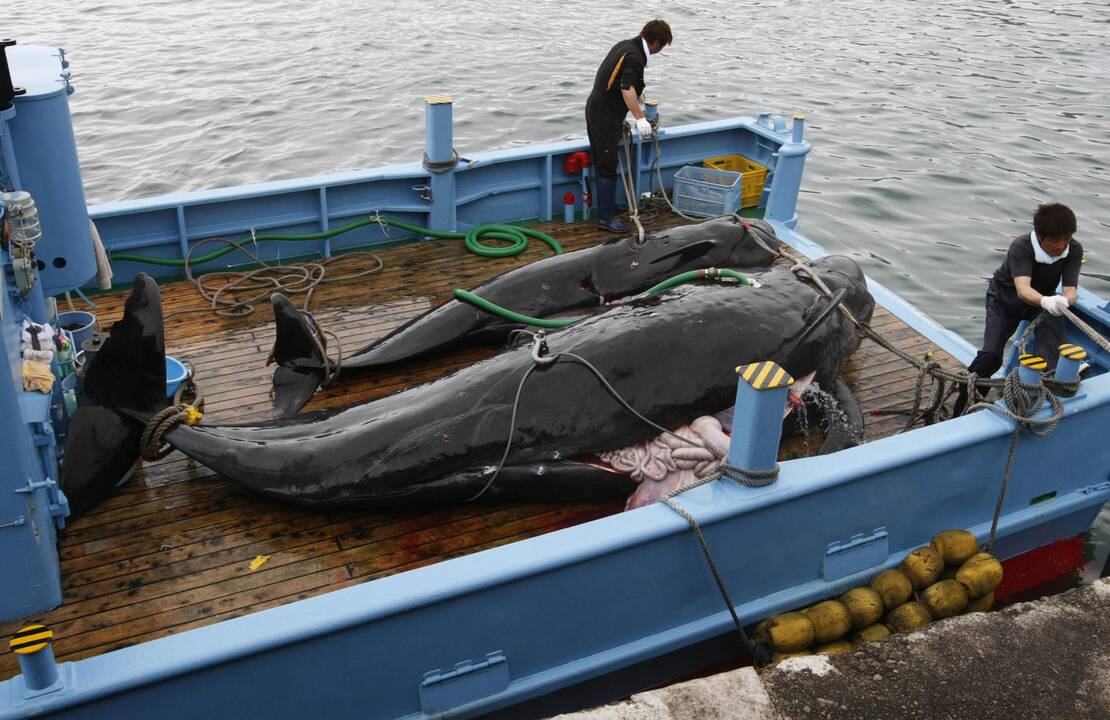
{"points": [[672, 357], [580, 280]]}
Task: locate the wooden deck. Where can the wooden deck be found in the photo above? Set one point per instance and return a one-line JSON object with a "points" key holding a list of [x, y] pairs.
{"points": [[172, 549]]}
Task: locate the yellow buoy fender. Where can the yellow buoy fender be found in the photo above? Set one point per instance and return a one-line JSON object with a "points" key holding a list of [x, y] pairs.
{"points": [[944, 599], [981, 604], [955, 546], [980, 574], [878, 631], [834, 648], [893, 587], [830, 619], [922, 566], [908, 616], [865, 606], [790, 631]]}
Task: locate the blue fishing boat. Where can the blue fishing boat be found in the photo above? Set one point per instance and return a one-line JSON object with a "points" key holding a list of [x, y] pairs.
{"points": [[184, 596]]}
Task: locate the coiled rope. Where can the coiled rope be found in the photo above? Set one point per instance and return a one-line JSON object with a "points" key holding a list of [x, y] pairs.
{"points": [[1022, 402], [152, 444]]}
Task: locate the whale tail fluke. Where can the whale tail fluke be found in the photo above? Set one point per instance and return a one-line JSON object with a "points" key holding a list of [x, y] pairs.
{"points": [[299, 355], [124, 383]]}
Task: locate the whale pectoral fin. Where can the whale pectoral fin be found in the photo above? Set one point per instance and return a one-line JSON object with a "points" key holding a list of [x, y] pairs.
{"points": [[124, 382], [300, 364], [845, 420], [293, 387], [101, 448]]}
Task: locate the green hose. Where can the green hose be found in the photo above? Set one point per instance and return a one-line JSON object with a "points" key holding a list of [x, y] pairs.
{"points": [[517, 236], [707, 273], [494, 309]]}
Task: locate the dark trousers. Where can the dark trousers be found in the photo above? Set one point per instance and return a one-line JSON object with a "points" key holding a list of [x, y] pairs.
{"points": [[1005, 311], [604, 133]]}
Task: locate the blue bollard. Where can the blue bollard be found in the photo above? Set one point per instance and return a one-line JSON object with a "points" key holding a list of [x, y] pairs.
{"points": [[757, 420], [1031, 368], [568, 208], [651, 110], [439, 159], [782, 201], [798, 129], [1071, 357], [36, 657]]}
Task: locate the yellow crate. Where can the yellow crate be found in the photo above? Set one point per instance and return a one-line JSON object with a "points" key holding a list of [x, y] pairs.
{"points": [[752, 173]]}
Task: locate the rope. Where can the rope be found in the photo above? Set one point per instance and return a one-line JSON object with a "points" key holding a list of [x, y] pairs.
{"points": [[1022, 402], [152, 444], [745, 643], [266, 280], [630, 188], [441, 167], [749, 478]]}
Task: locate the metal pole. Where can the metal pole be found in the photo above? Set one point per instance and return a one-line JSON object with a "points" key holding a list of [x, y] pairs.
{"points": [[757, 419], [782, 203], [439, 160]]}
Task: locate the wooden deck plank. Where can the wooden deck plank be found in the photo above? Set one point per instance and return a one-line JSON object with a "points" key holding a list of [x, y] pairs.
{"points": [[170, 551]]}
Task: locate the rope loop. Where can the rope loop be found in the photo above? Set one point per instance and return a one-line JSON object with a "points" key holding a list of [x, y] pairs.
{"points": [[746, 477], [441, 167], [152, 444]]}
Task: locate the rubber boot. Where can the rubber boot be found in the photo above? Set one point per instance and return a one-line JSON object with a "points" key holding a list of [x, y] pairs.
{"points": [[607, 205]]}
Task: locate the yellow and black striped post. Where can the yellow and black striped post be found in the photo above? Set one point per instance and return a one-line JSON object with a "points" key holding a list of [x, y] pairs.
{"points": [[757, 419], [1071, 357], [1031, 368], [36, 658]]}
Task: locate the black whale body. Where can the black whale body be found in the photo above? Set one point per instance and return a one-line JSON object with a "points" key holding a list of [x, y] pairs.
{"points": [[672, 357], [575, 281]]}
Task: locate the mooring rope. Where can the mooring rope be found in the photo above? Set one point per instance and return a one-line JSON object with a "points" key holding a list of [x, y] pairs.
{"points": [[1022, 402], [152, 444]]}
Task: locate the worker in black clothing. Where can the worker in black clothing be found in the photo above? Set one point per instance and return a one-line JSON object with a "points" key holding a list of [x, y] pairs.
{"points": [[617, 88], [1035, 265]]}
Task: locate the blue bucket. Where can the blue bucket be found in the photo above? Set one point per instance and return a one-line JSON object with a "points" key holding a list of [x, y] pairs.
{"points": [[176, 373], [79, 324]]}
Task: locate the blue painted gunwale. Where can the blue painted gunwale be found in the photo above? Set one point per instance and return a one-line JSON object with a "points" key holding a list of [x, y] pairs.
{"points": [[510, 185], [588, 600]]}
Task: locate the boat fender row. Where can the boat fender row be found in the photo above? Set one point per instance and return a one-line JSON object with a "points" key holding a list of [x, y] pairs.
{"points": [[949, 577]]}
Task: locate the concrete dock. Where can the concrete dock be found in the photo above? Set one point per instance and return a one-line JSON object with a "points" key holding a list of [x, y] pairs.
{"points": [[1046, 659]]}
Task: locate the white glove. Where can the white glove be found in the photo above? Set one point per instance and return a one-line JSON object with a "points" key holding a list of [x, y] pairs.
{"points": [[644, 128], [1054, 304]]}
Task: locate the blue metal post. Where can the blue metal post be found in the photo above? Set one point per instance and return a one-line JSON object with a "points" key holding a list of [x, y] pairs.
{"points": [[1071, 357], [1031, 368], [757, 419], [8, 167], [440, 152], [36, 657], [782, 205], [28, 552]]}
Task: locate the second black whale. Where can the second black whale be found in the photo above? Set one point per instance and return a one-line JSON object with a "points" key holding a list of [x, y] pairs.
{"points": [[582, 280]]}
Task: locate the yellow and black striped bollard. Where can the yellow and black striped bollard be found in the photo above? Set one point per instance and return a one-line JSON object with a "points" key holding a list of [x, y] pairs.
{"points": [[36, 657], [1071, 357]]}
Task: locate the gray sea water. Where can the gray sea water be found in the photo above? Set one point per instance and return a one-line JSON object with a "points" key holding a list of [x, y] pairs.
{"points": [[937, 126]]}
